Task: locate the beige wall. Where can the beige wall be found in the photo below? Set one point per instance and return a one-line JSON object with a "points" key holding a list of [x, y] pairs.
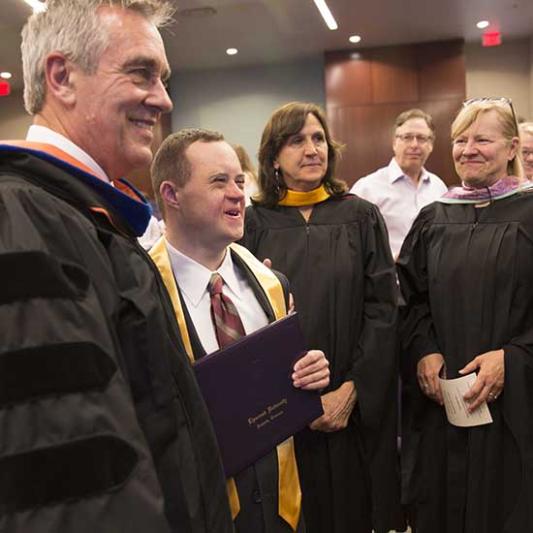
{"points": [[14, 120], [505, 70]]}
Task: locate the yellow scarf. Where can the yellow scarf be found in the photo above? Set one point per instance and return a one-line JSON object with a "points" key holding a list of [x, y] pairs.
{"points": [[299, 198], [289, 493]]}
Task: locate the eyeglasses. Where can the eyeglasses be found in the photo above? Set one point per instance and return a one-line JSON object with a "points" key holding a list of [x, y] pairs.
{"points": [[526, 153], [410, 137], [493, 99]]}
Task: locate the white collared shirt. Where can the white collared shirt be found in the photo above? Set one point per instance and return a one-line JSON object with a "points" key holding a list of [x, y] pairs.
{"points": [[193, 278], [42, 134], [399, 199]]}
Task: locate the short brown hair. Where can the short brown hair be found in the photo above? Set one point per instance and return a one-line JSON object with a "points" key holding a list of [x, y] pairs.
{"points": [[284, 122], [171, 163], [404, 116]]}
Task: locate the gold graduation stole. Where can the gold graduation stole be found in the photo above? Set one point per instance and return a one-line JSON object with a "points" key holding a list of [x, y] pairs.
{"points": [[301, 198], [289, 493]]}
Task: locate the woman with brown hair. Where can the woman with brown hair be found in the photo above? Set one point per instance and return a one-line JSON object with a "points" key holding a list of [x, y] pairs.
{"points": [[333, 247], [465, 274]]}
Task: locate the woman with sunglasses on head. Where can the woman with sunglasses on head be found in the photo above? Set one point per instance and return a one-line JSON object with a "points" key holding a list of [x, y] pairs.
{"points": [[333, 247], [465, 274]]}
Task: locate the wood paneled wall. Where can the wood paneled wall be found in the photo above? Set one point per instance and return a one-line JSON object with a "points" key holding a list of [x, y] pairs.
{"points": [[367, 89]]}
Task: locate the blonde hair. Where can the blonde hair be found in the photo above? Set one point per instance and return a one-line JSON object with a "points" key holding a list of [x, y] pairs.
{"points": [[526, 128], [73, 28], [470, 113]]}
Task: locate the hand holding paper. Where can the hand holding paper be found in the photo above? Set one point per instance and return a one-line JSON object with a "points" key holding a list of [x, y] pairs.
{"points": [[490, 378], [458, 411]]}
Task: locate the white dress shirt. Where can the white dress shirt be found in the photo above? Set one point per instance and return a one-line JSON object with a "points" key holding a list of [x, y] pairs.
{"points": [[42, 134], [193, 278], [399, 199]]}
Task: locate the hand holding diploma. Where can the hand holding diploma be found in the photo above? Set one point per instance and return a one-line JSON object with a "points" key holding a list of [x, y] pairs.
{"points": [[311, 372]]}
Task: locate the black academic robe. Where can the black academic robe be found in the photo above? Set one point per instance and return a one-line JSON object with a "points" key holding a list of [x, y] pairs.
{"points": [[257, 485], [466, 276], [103, 427], [343, 280]]}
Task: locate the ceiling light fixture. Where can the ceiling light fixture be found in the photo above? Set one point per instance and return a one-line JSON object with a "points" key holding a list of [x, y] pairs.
{"points": [[354, 38], [232, 51], [36, 5], [5, 75], [482, 24], [330, 21]]}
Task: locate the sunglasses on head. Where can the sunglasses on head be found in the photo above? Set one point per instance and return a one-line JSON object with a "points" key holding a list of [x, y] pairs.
{"points": [[493, 99]]}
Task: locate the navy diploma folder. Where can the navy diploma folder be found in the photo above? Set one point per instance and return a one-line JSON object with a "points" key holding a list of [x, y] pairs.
{"points": [[248, 389]]}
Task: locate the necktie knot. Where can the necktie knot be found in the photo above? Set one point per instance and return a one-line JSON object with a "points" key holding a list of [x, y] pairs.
{"points": [[215, 284]]}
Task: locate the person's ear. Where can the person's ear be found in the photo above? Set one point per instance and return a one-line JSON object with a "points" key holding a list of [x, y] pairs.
{"points": [[170, 194], [59, 74], [515, 142]]}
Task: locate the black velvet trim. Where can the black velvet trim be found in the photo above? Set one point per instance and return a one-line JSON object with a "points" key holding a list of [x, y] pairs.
{"points": [[69, 471], [39, 275], [53, 370]]}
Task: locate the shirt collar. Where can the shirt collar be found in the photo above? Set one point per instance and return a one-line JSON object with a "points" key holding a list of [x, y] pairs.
{"points": [[396, 173], [194, 277], [43, 134]]}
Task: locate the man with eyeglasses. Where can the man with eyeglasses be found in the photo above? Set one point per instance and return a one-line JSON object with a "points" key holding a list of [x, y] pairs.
{"points": [[404, 187], [526, 140]]}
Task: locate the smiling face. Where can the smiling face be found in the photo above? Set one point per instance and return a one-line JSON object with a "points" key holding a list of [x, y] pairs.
{"points": [[412, 144], [117, 107], [211, 202], [303, 159], [481, 153]]}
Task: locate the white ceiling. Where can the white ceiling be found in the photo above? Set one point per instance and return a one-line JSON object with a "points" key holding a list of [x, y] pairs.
{"points": [[268, 31]]}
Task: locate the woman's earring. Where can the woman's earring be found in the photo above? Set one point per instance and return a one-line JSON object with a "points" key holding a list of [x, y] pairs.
{"points": [[277, 180]]}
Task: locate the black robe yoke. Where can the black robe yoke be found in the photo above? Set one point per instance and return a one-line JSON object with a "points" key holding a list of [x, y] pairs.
{"points": [[466, 276], [103, 428], [343, 280]]}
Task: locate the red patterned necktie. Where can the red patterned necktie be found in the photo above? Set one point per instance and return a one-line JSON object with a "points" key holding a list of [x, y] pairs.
{"points": [[228, 325]]}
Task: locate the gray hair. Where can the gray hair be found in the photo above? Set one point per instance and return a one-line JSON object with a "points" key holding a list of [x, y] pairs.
{"points": [[526, 128], [73, 28]]}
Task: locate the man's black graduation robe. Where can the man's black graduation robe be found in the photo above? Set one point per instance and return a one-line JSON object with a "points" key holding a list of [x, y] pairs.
{"points": [[103, 428], [466, 274], [343, 280]]}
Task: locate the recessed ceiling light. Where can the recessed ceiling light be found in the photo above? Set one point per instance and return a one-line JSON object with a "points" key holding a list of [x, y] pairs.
{"points": [[482, 24], [354, 38], [329, 19], [5, 75], [232, 51], [36, 5]]}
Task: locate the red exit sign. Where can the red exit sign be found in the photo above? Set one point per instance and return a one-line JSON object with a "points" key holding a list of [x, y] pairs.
{"points": [[5, 88], [492, 38]]}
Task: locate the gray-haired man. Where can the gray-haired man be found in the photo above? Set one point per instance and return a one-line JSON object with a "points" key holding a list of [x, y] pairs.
{"points": [[103, 425]]}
